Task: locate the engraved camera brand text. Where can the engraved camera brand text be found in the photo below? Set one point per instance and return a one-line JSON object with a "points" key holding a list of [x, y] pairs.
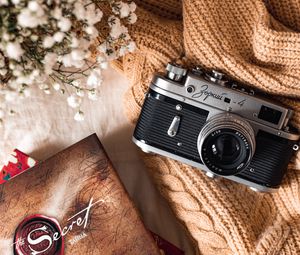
{"points": [[204, 93]]}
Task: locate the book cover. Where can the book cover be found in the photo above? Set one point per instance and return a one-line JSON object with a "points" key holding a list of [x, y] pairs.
{"points": [[17, 163], [72, 203]]}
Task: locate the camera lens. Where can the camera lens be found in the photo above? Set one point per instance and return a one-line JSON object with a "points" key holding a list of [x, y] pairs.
{"points": [[224, 152], [226, 148], [226, 144]]}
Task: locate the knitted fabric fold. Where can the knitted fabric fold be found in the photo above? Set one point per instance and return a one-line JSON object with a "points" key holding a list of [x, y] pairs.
{"points": [[257, 43]]}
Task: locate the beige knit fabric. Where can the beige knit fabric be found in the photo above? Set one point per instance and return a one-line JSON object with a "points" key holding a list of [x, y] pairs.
{"points": [[258, 43]]}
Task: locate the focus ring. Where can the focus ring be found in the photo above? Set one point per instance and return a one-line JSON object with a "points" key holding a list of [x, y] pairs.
{"points": [[227, 121]]}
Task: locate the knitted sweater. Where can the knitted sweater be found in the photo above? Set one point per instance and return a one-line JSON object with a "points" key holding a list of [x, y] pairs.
{"points": [[258, 43]]}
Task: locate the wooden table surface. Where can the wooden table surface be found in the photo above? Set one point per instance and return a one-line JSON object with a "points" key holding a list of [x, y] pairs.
{"points": [[44, 125]]}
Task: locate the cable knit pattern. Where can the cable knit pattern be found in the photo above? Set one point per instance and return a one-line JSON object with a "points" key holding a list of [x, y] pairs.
{"points": [[258, 43]]}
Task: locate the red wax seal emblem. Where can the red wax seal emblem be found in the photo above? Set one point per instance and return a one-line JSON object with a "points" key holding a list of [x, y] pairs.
{"points": [[38, 235]]}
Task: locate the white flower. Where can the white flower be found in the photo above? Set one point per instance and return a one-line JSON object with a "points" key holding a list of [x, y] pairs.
{"points": [[34, 38], [102, 62], [57, 13], [101, 59], [113, 21], [3, 2], [83, 44], [24, 79], [111, 55], [77, 54], [47, 91], [67, 60], [6, 36], [66, 47], [79, 11], [12, 84], [48, 42], [104, 65], [124, 10], [15, 2], [93, 15], [26, 92], [33, 6], [122, 51], [92, 95], [14, 50], [49, 62], [76, 83], [103, 47], [74, 101], [50, 59], [132, 6], [64, 24], [11, 112], [95, 78], [35, 73], [58, 36], [117, 28], [17, 72], [42, 79], [79, 116], [24, 33], [43, 86], [31, 18], [92, 31], [80, 92], [88, 54], [10, 96], [56, 86], [132, 18], [78, 63], [12, 66], [2, 62], [3, 72], [74, 42], [131, 46]]}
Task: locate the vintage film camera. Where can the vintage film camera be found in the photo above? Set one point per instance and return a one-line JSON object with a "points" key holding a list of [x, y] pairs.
{"points": [[210, 122]]}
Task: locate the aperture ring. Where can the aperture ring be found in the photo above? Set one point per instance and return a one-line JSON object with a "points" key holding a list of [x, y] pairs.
{"points": [[232, 122]]}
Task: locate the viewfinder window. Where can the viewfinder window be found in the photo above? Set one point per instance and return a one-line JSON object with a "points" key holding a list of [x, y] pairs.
{"points": [[269, 114]]}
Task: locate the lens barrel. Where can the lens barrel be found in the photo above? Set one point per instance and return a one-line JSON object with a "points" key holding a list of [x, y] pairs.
{"points": [[226, 144]]}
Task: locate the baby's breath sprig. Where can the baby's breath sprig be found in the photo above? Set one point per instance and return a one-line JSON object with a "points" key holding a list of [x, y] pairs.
{"points": [[51, 44]]}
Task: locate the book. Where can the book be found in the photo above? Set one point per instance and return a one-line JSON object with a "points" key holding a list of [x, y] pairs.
{"points": [[20, 162], [166, 247], [72, 203], [17, 163]]}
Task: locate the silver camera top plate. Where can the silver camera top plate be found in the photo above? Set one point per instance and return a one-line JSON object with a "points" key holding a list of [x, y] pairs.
{"points": [[214, 97]]}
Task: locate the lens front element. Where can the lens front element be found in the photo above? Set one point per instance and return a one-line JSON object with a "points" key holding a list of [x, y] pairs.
{"points": [[226, 148], [226, 144]]}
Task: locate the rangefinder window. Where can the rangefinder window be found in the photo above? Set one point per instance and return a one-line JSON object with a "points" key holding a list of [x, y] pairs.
{"points": [[269, 114]]}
